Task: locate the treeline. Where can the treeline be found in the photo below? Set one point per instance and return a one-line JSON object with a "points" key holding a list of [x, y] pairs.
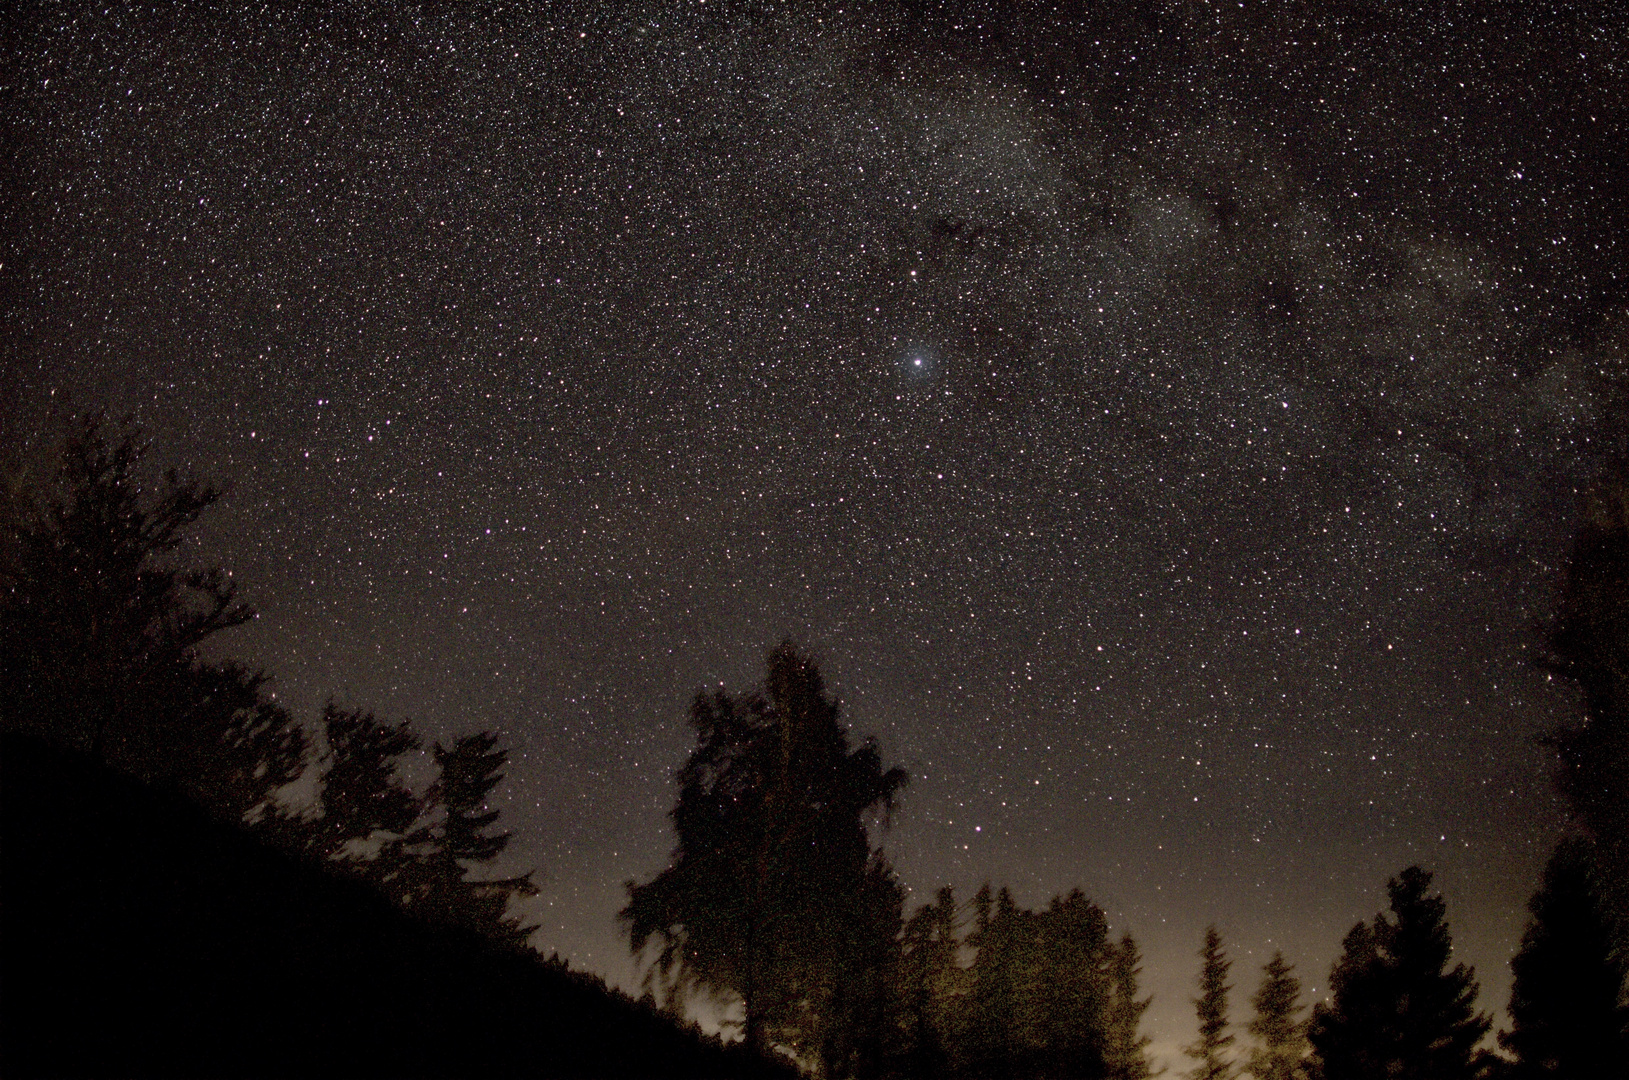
{"points": [[100, 632], [169, 912], [776, 900], [144, 937]]}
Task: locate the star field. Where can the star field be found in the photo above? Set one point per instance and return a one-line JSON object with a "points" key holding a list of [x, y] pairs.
{"points": [[1165, 421]]}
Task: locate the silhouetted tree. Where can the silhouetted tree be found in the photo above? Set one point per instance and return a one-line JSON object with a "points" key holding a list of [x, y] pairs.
{"points": [[1589, 644], [1280, 1048], [1568, 1015], [437, 881], [366, 809], [773, 872], [1040, 992], [1211, 1006], [863, 1015], [1126, 1057], [1398, 1011], [100, 631], [999, 1029], [1073, 987], [930, 981]]}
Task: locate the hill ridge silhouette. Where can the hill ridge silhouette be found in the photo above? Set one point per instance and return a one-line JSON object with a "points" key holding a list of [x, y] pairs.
{"points": [[141, 937]]}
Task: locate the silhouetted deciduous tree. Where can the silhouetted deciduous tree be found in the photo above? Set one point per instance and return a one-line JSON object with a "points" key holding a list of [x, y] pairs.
{"points": [[862, 1019], [1280, 1043], [100, 631], [774, 872], [1209, 1051], [1399, 1012], [1569, 1019]]}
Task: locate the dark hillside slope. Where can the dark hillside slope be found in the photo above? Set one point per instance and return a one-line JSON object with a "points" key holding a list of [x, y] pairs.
{"points": [[138, 937]]}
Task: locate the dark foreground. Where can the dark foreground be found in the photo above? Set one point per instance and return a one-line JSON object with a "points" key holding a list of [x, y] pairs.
{"points": [[140, 938]]}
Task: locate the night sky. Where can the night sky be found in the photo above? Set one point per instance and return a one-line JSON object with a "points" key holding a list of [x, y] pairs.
{"points": [[1164, 421]]}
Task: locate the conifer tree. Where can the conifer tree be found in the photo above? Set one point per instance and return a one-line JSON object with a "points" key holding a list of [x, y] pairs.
{"points": [[1399, 1012], [438, 881], [1208, 1052], [1127, 1053], [1071, 987], [1569, 1017], [367, 809], [1000, 1031], [1280, 1044], [930, 981]]}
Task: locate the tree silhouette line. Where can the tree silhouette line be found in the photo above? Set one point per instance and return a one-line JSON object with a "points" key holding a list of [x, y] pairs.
{"points": [[100, 635], [776, 899]]}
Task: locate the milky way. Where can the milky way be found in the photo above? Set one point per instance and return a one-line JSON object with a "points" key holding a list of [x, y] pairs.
{"points": [[1165, 425]]}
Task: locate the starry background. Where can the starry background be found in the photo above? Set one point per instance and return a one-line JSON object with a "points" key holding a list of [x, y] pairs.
{"points": [[1163, 420]]}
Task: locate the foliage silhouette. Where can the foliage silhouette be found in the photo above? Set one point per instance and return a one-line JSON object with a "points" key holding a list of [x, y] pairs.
{"points": [[1211, 1007], [1589, 644], [774, 889], [1047, 994], [1280, 1042], [100, 632], [930, 981], [362, 797], [438, 882], [1568, 1015], [145, 938], [1398, 1011], [1126, 1056]]}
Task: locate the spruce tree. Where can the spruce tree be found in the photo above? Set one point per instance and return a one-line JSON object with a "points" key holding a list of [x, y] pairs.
{"points": [[1398, 1011], [1280, 1044], [1127, 1048], [438, 882], [930, 981], [1071, 987], [1000, 1028], [367, 809], [1567, 1010], [1208, 1052]]}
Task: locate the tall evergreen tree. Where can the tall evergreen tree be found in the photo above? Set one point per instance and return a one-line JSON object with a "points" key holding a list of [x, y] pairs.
{"points": [[1072, 988], [1280, 1047], [774, 869], [1398, 1011], [930, 980], [1209, 1051], [438, 882], [367, 809], [1127, 1054], [100, 632], [1568, 1014], [1000, 1029]]}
